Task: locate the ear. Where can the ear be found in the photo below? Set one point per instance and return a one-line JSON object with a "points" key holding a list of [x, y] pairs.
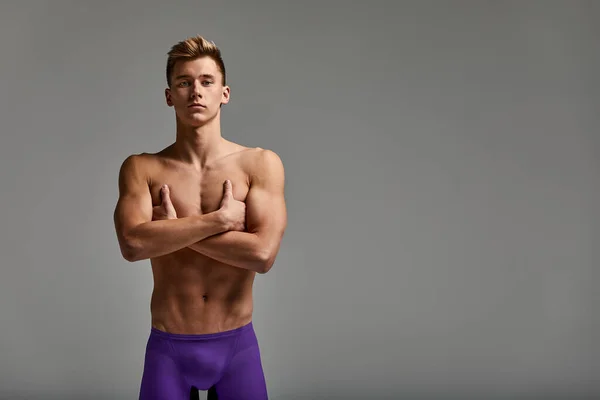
{"points": [[226, 95], [168, 97]]}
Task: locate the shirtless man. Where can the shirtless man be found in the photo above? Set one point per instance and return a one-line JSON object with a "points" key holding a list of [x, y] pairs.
{"points": [[209, 214]]}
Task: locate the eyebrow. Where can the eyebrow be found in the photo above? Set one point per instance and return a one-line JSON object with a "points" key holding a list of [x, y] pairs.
{"points": [[189, 76]]}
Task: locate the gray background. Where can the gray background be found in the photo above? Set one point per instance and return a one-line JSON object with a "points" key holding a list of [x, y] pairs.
{"points": [[442, 188]]}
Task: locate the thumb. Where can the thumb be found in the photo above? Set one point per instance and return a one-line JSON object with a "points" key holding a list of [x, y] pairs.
{"points": [[165, 194], [228, 189]]}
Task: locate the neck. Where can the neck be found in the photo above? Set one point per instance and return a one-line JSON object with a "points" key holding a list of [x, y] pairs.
{"points": [[198, 145]]}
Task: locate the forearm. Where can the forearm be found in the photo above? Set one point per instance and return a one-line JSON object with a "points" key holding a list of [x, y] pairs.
{"points": [[157, 238], [240, 249]]}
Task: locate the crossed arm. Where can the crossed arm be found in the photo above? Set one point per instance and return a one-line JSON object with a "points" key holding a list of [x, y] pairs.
{"points": [[266, 220], [140, 237]]}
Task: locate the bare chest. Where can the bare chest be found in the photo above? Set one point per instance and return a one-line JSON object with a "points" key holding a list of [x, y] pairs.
{"points": [[199, 192]]}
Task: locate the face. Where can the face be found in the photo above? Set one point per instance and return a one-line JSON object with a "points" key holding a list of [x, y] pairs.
{"points": [[196, 91]]}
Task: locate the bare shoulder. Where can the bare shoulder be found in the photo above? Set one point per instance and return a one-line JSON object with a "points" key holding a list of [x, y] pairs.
{"points": [[265, 165], [136, 164], [138, 167], [261, 157]]}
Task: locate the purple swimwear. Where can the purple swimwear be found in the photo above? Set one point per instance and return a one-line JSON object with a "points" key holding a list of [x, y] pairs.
{"points": [[227, 364]]}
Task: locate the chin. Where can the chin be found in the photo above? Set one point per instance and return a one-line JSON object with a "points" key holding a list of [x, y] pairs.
{"points": [[194, 120]]}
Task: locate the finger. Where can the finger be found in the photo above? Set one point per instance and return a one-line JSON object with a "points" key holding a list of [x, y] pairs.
{"points": [[165, 194], [228, 189]]}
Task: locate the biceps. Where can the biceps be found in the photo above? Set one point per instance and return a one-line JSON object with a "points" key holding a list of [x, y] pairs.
{"points": [[132, 210], [135, 202], [266, 213]]}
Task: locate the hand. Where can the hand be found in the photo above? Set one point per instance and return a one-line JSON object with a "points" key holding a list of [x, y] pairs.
{"points": [[165, 209], [232, 210]]}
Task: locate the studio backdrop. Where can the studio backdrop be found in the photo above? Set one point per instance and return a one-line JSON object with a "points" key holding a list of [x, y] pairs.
{"points": [[442, 185]]}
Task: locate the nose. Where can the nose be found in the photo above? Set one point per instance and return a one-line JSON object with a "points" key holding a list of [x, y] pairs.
{"points": [[196, 93]]}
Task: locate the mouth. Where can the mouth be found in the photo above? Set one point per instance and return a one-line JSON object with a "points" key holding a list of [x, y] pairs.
{"points": [[196, 106]]}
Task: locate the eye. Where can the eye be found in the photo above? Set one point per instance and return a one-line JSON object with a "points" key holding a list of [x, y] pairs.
{"points": [[183, 83], [206, 83]]}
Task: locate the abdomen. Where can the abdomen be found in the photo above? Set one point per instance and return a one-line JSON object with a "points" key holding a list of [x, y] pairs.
{"points": [[196, 294]]}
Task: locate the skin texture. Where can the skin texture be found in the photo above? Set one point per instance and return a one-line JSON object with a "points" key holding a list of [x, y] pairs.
{"points": [[208, 213]]}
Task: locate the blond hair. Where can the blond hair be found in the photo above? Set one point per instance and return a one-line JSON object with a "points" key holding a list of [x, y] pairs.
{"points": [[192, 48]]}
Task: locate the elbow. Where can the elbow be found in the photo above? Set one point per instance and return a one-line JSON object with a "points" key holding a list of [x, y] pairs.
{"points": [[265, 261], [131, 250], [130, 256], [267, 255], [264, 267]]}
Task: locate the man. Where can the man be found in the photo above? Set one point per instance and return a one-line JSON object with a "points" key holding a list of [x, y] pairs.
{"points": [[209, 214]]}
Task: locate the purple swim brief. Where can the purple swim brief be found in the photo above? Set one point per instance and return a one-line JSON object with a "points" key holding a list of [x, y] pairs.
{"points": [[226, 364]]}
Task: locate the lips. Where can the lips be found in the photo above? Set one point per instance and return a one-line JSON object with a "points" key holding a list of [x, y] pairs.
{"points": [[196, 105]]}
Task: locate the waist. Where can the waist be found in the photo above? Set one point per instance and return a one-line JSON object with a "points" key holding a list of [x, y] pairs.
{"points": [[174, 311], [202, 336], [200, 298]]}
